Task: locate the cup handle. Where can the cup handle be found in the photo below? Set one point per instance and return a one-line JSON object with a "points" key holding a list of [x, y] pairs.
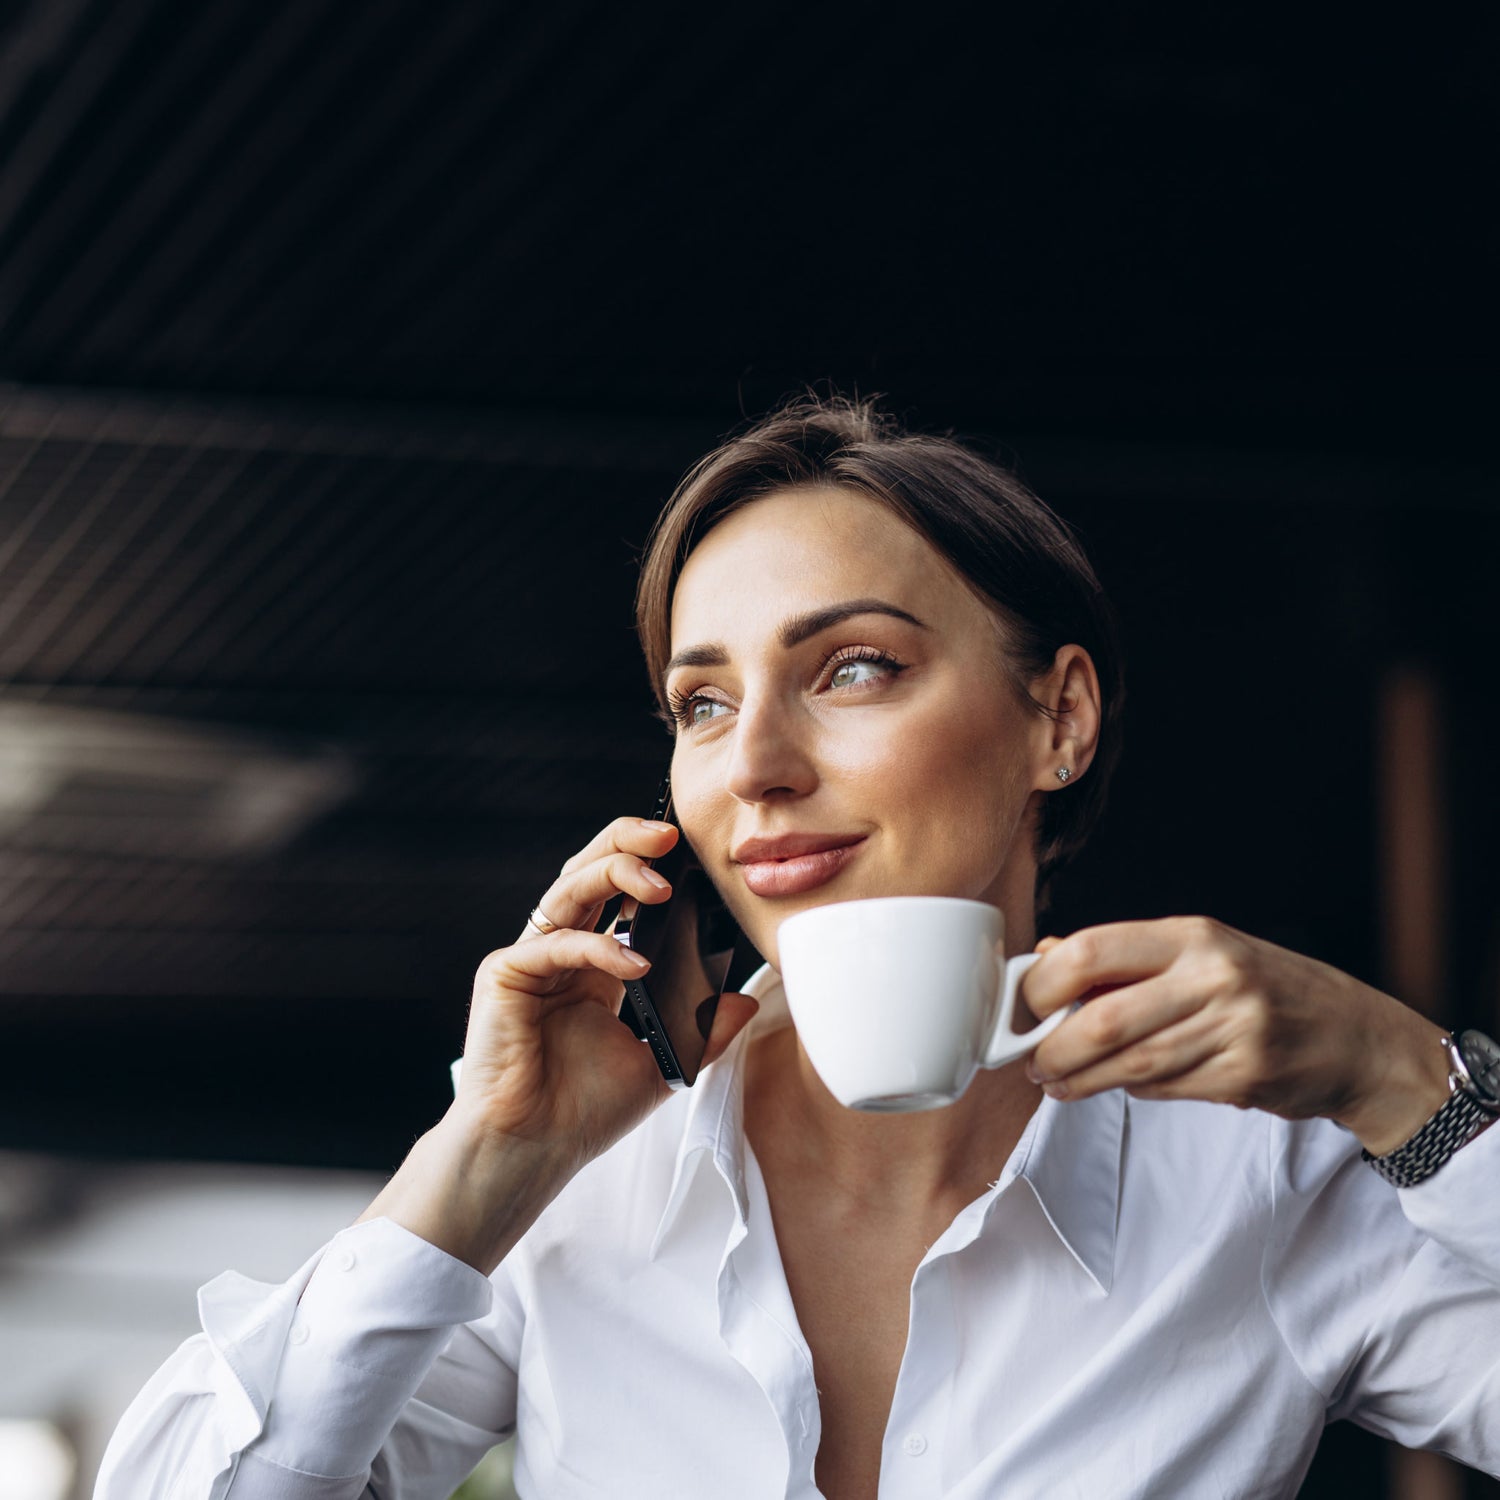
{"points": [[1005, 1044]]}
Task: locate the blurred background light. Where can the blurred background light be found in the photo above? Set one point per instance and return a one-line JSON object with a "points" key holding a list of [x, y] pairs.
{"points": [[119, 783], [36, 1461]]}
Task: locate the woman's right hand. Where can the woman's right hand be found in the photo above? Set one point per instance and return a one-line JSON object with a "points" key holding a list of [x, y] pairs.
{"points": [[546, 1059], [550, 1077]]}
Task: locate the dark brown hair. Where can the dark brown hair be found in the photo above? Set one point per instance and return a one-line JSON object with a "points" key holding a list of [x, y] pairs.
{"points": [[1019, 558]]}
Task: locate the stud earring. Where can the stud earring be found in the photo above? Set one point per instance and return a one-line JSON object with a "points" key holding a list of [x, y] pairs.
{"points": [[1063, 774]]}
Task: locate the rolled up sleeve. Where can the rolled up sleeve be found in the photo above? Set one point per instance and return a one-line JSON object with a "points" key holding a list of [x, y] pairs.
{"points": [[299, 1391]]}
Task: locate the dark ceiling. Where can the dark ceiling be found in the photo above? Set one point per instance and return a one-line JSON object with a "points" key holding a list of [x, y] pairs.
{"points": [[351, 348], [1059, 218]]}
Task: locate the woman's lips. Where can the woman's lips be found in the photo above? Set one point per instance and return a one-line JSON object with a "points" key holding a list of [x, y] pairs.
{"points": [[799, 873]]}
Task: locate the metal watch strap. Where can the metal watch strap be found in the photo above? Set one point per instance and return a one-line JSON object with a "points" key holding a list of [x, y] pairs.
{"points": [[1454, 1125]]}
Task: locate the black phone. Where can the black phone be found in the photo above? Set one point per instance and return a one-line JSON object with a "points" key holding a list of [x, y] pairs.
{"points": [[691, 940]]}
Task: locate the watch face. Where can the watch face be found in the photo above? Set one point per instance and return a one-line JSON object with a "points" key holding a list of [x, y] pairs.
{"points": [[1481, 1057]]}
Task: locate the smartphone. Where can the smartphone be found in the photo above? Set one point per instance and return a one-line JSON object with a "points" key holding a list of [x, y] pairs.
{"points": [[691, 940]]}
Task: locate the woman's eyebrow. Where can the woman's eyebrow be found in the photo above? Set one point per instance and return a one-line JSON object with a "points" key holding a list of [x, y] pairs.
{"points": [[796, 629], [799, 627]]}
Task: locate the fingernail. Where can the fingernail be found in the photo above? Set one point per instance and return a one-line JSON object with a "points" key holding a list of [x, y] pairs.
{"points": [[656, 827], [1033, 1072], [1057, 1089], [659, 881], [636, 960]]}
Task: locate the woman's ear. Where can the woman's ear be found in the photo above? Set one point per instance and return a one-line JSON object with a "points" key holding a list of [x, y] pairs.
{"points": [[1069, 731]]}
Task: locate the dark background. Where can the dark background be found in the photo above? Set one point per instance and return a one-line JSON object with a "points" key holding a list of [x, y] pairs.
{"points": [[348, 350]]}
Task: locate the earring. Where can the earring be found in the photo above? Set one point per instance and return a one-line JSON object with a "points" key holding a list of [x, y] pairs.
{"points": [[1063, 774]]}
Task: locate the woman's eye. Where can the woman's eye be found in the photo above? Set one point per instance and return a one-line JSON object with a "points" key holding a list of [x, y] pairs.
{"points": [[689, 710], [847, 673], [701, 710], [854, 670]]}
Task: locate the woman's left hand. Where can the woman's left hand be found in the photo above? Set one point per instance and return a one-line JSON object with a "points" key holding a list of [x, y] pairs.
{"points": [[1187, 1008]]}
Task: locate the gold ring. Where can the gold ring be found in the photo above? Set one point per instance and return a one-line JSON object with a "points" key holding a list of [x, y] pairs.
{"points": [[541, 921]]}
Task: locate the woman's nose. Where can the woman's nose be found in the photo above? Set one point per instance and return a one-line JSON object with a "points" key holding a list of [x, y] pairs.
{"points": [[771, 757]]}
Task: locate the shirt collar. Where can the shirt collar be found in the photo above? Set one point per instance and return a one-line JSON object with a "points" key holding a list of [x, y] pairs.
{"points": [[714, 1131], [1071, 1154], [1073, 1161]]}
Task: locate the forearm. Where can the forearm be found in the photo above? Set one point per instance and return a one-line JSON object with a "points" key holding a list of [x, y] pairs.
{"points": [[372, 1321], [374, 1318], [381, 1312], [468, 1193]]}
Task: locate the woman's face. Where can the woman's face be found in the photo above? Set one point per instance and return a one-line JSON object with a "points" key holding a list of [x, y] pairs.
{"points": [[845, 725]]}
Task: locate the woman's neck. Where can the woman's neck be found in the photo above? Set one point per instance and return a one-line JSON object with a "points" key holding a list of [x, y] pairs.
{"points": [[931, 1160]]}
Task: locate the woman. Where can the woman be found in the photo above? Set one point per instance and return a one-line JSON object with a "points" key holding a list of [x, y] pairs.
{"points": [[889, 671]]}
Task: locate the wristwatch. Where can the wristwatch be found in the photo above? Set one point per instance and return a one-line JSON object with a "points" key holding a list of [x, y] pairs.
{"points": [[1473, 1102]]}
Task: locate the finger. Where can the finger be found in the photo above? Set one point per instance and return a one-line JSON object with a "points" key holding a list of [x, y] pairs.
{"points": [[577, 897], [1112, 1021], [1115, 953], [534, 967], [1047, 944], [1216, 1080], [642, 837], [638, 836], [735, 1012], [1153, 1062]]}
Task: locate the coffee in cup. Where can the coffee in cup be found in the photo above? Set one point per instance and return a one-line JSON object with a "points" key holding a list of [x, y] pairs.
{"points": [[900, 1000]]}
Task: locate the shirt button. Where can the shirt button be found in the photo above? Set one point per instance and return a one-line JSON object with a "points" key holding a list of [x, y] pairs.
{"points": [[298, 1335], [914, 1444], [344, 1260]]}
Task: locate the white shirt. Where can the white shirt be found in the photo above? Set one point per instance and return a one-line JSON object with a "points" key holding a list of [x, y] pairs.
{"points": [[1152, 1299]]}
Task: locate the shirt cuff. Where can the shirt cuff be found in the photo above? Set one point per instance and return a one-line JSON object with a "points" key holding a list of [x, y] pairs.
{"points": [[375, 1314], [1459, 1205]]}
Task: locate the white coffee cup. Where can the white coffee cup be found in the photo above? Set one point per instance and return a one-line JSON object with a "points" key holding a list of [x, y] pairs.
{"points": [[900, 1000]]}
